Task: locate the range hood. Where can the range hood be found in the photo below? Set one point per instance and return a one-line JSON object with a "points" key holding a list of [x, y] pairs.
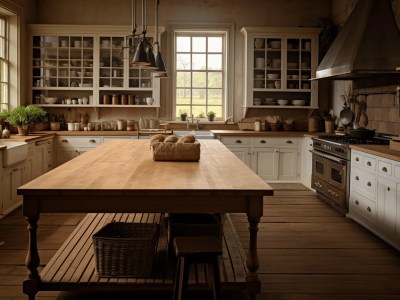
{"points": [[367, 45]]}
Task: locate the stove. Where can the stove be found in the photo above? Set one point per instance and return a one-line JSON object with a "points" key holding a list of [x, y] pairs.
{"points": [[331, 167]]}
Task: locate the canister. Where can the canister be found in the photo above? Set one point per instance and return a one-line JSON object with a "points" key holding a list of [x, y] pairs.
{"points": [[115, 99], [131, 100], [124, 100], [106, 100]]}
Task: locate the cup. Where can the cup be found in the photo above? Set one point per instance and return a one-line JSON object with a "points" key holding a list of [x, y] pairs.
{"points": [[77, 126], [85, 100], [149, 100], [260, 62], [80, 101], [277, 84], [74, 101], [68, 101], [259, 43], [70, 126]]}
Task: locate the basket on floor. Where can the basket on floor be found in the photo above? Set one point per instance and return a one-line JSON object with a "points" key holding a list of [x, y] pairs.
{"points": [[125, 249]]}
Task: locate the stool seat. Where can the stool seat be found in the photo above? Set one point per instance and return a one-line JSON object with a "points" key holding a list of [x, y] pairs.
{"points": [[197, 249]]}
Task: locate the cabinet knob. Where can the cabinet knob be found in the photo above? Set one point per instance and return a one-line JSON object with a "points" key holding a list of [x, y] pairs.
{"points": [[369, 183], [357, 178], [368, 163], [64, 141], [356, 202], [388, 189], [92, 141], [238, 141], [368, 208], [49, 152], [384, 169], [276, 150], [357, 159], [289, 142], [263, 142]]}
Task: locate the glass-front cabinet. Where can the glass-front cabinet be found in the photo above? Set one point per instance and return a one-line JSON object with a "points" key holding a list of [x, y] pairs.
{"points": [[279, 63], [93, 65]]}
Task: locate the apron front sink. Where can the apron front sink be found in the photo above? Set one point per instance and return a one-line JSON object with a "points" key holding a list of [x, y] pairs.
{"points": [[14, 153]]}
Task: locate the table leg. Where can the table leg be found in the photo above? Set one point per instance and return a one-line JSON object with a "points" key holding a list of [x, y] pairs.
{"points": [[30, 285]]}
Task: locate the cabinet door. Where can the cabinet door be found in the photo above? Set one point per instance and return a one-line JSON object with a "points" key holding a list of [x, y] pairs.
{"points": [[12, 179], [265, 162], [387, 205], [306, 162], [287, 164], [38, 160], [64, 155], [243, 153]]}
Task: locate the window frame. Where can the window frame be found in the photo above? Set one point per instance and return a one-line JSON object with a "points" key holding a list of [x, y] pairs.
{"points": [[225, 29], [6, 60]]}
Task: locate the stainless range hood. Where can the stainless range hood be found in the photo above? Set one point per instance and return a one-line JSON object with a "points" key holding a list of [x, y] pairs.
{"points": [[367, 45]]}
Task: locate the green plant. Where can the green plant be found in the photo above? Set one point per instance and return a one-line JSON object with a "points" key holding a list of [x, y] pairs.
{"points": [[201, 115], [211, 113], [24, 116], [4, 115], [183, 112]]}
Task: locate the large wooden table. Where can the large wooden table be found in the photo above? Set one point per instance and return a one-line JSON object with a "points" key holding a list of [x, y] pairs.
{"points": [[120, 176]]}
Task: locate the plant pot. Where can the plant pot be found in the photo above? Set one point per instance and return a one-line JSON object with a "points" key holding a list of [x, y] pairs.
{"points": [[23, 130], [183, 117], [211, 118]]}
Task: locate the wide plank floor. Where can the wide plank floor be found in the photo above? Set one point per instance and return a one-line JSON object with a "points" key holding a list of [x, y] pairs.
{"points": [[307, 252]]}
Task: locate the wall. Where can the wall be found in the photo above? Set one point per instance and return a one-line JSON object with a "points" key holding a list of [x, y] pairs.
{"points": [[382, 110], [305, 13]]}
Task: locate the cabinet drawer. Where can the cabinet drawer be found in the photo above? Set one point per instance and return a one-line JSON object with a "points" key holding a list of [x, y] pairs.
{"points": [[363, 206], [364, 182], [357, 158], [275, 142], [68, 141], [384, 168], [369, 163], [236, 140]]}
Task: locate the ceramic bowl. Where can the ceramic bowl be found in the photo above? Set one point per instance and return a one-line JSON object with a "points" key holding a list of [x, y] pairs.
{"points": [[50, 100], [275, 44], [273, 76], [298, 102], [282, 102]]}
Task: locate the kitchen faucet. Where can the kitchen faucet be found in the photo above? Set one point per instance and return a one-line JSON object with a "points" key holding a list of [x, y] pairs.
{"points": [[192, 120]]}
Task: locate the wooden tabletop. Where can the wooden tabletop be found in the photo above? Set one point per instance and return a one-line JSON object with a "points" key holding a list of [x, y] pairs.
{"points": [[127, 166]]}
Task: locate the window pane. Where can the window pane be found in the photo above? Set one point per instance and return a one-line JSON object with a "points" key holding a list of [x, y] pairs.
{"points": [[199, 79], [215, 97], [199, 44], [215, 80], [183, 44], [217, 110], [215, 62], [182, 109], [199, 111], [199, 96], [183, 79], [183, 96], [214, 44], [198, 62], [183, 61], [3, 93], [2, 48]]}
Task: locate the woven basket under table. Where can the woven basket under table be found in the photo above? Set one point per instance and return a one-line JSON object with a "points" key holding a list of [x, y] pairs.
{"points": [[125, 249]]}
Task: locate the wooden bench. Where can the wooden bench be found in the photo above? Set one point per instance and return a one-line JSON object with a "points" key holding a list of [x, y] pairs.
{"points": [[73, 266]]}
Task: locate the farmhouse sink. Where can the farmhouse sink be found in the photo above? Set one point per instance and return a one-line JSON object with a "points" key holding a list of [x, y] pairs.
{"points": [[200, 134], [14, 153]]}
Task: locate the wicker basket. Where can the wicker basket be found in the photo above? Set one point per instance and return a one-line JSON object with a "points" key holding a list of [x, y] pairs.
{"points": [[176, 151], [192, 224], [125, 249]]}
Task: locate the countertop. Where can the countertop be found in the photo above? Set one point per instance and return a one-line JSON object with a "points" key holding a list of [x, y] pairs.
{"points": [[26, 138], [266, 133], [378, 150]]}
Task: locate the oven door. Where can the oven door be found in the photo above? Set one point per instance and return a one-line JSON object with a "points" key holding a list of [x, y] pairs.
{"points": [[329, 168]]}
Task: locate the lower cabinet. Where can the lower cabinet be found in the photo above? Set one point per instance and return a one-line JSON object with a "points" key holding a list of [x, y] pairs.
{"points": [[68, 147], [273, 159], [375, 195], [12, 178]]}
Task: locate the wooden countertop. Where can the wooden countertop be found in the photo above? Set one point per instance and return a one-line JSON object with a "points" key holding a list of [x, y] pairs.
{"points": [[379, 150], [26, 138], [266, 133], [127, 166]]}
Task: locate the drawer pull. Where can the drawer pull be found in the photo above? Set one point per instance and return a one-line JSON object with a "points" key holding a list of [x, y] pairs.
{"points": [[49, 151], [368, 208], [276, 150], [238, 141], [368, 163], [357, 159], [356, 202], [92, 141], [289, 142], [263, 142], [357, 178], [64, 141], [384, 169], [388, 189], [369, 183]]}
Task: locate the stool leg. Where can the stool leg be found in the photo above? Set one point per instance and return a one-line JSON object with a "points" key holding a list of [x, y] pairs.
{"points": [[177, 279], [184, 266], [214, 279]]}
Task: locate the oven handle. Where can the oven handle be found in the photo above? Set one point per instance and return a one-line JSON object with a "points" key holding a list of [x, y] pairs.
{"points": [[330, 157]]}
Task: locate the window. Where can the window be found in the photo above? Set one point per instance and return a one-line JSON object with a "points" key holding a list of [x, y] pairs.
{"points": [[200, 73], [4, 65]]}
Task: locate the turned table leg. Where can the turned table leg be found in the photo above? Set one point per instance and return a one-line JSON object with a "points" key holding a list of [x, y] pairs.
{"points": [[30, 285]]}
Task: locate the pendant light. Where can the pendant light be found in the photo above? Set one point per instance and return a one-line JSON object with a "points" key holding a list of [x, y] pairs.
{"points": [[162, 72], [140, 57]]}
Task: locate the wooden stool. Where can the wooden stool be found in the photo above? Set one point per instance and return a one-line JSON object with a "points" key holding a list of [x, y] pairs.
{"points": [[196, 249]]}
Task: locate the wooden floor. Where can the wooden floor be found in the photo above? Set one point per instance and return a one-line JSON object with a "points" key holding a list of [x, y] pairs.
{"points": [[307, 251]]}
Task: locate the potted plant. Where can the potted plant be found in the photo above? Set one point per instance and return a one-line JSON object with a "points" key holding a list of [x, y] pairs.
{"points": [[22, 117], [183, 113], [211, 116], [201, 115]]}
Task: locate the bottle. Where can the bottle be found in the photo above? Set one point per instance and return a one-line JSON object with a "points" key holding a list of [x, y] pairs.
{"points": [[5, 134], [257, 125]]}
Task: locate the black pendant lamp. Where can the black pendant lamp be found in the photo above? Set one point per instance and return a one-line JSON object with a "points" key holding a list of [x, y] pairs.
{"points": [[140, 57], [161, 71]]}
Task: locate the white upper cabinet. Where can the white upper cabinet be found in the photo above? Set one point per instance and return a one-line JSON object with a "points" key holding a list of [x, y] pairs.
{"points": [[279, 63], [89, 62]]}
